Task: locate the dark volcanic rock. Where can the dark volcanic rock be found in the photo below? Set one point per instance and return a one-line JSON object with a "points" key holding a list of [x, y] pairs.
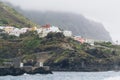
{"points": [[11, 71], [18, 71], [40, 71]]}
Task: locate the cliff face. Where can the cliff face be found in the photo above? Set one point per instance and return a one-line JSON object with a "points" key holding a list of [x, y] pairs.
{"points": [[78, 24], [9, 16]]}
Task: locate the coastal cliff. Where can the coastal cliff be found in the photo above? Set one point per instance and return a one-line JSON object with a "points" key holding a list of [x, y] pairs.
{"points": [[62, 53]]}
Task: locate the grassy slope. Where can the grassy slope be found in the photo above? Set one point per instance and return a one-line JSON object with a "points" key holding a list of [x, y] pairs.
{"points": [[9, 16]]}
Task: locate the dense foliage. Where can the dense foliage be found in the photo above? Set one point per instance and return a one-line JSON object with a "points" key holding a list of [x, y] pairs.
{"points": [[60, 52]]}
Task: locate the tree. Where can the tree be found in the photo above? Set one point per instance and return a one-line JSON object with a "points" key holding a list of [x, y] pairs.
{"points": [[55, 35]]}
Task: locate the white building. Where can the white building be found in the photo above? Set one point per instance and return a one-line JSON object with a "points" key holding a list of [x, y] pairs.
{"points": [[67, 33], [54, 29], [90, 41], [79, 39], [40, 64], [44, 31], [24, 30], [15, 32], [39, 30], [8, 29], [21, 65]]}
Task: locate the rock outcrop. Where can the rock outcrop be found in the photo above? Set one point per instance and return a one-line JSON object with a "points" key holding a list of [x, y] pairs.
{"points": [[19, 71]]}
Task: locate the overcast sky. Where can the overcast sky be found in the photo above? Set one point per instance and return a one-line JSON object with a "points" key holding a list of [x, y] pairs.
{"points": [[104, 11]]}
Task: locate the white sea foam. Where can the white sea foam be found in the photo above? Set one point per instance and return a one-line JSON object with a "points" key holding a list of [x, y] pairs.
{"points": [[110, 75]]}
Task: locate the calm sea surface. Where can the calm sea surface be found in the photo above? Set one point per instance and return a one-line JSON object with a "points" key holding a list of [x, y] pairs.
{"points": [[68, 76]]}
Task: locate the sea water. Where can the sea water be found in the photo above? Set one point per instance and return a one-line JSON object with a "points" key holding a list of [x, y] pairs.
{"points": [[110, 75]]}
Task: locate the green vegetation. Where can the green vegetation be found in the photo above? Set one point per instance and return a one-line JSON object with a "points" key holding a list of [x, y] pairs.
{"points": [[56, 50], [106, 44], [9, 16], [61, 52]]}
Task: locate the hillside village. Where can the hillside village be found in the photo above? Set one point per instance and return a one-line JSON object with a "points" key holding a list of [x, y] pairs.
{"points": [[43, 31], [53, 47]]}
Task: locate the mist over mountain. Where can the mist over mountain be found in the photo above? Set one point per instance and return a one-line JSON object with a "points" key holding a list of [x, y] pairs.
{"points": [[77, 23]]}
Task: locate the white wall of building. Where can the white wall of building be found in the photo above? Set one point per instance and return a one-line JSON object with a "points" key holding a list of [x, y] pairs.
{"points": [[67, 33], [90, 41], [54, 29], [21, 64], [23, 30], [44, 31], [41, 64]]}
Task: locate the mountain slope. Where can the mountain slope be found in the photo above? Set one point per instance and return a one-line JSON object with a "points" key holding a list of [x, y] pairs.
{"points": [[78, 24], [9, 16]]}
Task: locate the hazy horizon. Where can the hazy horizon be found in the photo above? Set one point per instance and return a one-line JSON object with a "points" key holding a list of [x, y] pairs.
{"points": [[103, 11]]}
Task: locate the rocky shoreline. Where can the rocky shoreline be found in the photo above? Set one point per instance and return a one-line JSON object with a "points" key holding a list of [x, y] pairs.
{"points": [[19, 71], [41, 70], [88, 69]]}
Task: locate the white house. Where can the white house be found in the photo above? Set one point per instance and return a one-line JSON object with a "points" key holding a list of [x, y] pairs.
{"points": [[23, 30], [54, 29], [15, 32], [41, 64], [90, 41], [67, 33], [21, 65], [8, 29], [79, 39], [39, 30], [43, 31]]}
